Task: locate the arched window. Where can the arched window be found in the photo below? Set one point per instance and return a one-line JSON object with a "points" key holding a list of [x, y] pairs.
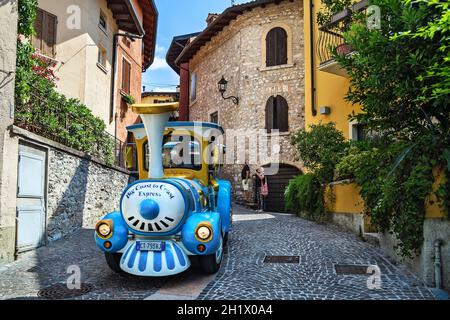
{"points": [[276, 47], [277, 114]]}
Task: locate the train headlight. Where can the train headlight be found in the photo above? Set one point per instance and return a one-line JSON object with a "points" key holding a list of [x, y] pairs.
{"points": [[104, 229], [204, 232]]}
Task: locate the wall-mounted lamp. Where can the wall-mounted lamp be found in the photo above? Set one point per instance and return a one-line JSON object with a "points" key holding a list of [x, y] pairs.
{"points": [[223, 88]]}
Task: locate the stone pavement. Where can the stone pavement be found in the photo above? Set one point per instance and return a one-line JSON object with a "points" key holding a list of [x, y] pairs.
{"points": [[319, 247], [243, 274]]}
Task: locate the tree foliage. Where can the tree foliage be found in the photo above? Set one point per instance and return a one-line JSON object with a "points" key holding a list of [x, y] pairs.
{"points": [[400, 77]]}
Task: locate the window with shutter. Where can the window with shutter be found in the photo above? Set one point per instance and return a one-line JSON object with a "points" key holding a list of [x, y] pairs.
{"points": [[269, 114], [282, 114], [126, 75], [277, 114], [45, 26], [276, 47]]}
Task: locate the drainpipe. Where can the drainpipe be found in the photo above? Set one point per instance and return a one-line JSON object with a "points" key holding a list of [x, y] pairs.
{"points": [[311, 32], [437, 264]]}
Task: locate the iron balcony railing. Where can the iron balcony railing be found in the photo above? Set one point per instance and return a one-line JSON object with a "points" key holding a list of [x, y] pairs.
{"points": [[44, 115], [330, 37]]}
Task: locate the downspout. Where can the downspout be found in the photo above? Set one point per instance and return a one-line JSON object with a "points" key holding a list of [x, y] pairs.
{"points": [[437, 264], [313, 80]]}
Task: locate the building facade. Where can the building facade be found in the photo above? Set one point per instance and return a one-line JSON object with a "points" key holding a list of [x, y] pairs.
{"points": [[160, 97], [257, 48], [100, 48]]}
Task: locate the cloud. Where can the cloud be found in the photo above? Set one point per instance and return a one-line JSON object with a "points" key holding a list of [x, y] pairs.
{"points": [[164, 89], [158, 64], [160, 50]]}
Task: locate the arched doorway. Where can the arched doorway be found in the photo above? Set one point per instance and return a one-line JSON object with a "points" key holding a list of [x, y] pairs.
{"points": [[278, 181]]}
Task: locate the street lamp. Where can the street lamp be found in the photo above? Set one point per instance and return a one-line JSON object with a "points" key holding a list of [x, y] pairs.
{"points": [[223, 88]]}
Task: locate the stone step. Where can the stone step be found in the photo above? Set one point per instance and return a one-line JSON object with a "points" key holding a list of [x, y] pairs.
{"points": [[373, 238]]}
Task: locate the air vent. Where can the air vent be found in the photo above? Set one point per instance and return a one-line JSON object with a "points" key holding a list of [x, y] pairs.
{"points": [[351, 269], [282, 259]]}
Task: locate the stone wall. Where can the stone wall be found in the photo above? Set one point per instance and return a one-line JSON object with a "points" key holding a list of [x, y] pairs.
{"points": [[80, 192], [238, 54], [423, 265]]}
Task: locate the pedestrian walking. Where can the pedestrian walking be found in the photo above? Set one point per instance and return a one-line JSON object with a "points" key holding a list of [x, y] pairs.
{"points": [[245, 175]]}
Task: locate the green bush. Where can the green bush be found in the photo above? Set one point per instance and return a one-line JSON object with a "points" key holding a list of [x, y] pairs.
{"points": [[320, 149], [304, 197]]}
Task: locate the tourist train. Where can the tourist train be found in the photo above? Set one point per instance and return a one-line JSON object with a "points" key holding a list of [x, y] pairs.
{"points": [[179, 212]]}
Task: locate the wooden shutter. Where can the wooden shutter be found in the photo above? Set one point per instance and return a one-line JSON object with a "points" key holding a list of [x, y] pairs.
{"points": [[126, 75], [276, 47], [282, 114], [49, 34], [271, 48], [45, 26], [269, 114], [281, 46], [38, 25]]}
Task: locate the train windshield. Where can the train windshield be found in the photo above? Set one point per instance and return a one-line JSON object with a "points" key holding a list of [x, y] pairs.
{"points": [[179, 152]]}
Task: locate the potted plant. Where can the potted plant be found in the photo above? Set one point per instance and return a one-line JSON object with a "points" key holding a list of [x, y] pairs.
{"points": [[343, 49], [128, 98]]}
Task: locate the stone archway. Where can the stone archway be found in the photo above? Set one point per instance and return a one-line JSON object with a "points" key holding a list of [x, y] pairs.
{"points": [[278, 180]]}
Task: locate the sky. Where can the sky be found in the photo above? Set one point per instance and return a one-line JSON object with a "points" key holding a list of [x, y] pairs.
{"points": [[177, 17]]}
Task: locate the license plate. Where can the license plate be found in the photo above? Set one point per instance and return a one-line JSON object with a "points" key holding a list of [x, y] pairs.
{"points": [[150, 246]]}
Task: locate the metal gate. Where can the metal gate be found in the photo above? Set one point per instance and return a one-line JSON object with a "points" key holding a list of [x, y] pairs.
{"points": [[30, 199]]}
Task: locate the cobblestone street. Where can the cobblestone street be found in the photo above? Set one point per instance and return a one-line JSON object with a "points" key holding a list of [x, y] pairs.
{"points": [[244, 275]]}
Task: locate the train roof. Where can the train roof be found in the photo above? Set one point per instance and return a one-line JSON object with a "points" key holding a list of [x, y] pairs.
{"points": [[202, 128]]}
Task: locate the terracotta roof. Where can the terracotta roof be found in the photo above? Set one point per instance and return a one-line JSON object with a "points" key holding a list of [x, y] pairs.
{"points": [[126, 18], [218, 25], [176, 47], [150, 27]]}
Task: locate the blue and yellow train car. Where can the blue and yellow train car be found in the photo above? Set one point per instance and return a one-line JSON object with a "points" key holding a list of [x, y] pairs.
{"points": [[179, 211]]}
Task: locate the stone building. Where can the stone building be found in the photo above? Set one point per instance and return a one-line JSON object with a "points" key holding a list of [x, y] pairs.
{"points": [[258, 48]]}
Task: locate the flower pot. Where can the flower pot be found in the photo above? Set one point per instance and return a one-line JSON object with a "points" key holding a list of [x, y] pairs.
{"points": [[343, 49]]}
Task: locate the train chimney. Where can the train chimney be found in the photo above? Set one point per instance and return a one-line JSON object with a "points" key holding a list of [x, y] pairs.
{"points": [[155, 118]]}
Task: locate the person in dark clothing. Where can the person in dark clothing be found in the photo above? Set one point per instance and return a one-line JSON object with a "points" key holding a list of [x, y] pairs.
{"points": [[245, 175], [261, 188]]}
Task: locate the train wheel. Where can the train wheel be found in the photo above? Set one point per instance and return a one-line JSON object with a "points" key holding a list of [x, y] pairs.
{"points": [[113, 261], [211, 264]]}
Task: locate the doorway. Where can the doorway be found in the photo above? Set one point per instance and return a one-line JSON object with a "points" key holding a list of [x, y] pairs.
{"points": [[31, 202]]}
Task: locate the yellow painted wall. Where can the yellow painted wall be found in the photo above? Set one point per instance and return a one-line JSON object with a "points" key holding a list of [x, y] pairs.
{"points": [[154, 99], [330, 89], [344, 198]]}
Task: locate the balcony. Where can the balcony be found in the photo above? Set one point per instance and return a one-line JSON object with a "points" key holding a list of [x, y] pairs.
{"points": [[326, 42], [331, 37]]}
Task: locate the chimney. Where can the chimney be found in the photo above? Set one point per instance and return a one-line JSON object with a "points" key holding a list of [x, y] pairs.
{"points": [[211, 17]]}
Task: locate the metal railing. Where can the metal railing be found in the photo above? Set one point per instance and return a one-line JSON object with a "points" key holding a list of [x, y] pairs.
{"points": [[331, 35], [44, 114], [327, 41]]}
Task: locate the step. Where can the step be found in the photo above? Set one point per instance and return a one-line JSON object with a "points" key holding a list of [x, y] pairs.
{"points": [[373, 238]]}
